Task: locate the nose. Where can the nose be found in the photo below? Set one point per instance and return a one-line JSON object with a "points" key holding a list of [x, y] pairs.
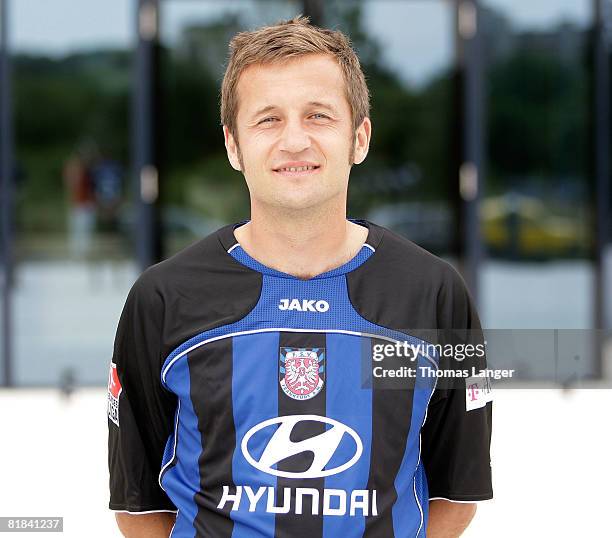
{"points": [[294, 138]]}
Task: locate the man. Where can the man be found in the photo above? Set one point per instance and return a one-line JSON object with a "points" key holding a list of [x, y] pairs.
{"points": [[242, 368]]}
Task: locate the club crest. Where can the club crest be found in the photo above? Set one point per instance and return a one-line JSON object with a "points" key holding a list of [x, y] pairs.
{"points": [[301, 372]]}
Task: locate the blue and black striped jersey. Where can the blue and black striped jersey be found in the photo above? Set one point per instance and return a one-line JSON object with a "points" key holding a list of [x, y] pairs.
{"points": [[252, 402]]}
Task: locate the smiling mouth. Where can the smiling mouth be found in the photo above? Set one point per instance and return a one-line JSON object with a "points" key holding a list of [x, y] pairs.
{"points": [[297, 170]]}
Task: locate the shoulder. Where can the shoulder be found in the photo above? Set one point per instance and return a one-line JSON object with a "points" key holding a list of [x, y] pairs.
{"points": [[200, 287], [405, 262], [404, 285], [205, 261]]}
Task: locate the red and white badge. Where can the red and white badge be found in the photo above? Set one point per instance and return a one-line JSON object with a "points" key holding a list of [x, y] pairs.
{"points": [[114, 390], [477, 392]]}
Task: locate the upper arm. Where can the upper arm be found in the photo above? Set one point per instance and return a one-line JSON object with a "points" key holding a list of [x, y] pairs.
{"points": [[157, 525], [449, 519], [456, 436], [141, 411]]}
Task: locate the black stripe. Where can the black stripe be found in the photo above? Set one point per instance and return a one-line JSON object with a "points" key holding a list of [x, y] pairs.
{"points": [[291, 525], [210, 369], [391, 416]]}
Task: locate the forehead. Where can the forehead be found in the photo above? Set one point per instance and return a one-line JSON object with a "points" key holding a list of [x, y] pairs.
{"points": [[312, 77]]}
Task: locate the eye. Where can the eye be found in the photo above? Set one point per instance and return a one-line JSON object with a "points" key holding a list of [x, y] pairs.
{"points": [[319, 114], [265, 120]]}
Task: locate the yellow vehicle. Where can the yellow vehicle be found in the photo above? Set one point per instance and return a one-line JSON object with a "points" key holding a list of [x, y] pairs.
{"points": [[523, 226]]}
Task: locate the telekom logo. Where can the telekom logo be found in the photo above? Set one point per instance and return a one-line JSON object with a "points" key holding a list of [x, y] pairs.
{"points": [[477, 392], [473, 392]]}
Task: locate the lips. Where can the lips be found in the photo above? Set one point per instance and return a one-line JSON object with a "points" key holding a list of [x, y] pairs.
{"points": [[288, 173], [297, 169]]}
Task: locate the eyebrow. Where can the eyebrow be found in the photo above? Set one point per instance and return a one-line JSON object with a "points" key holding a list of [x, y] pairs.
{"points": [[310, 103]]}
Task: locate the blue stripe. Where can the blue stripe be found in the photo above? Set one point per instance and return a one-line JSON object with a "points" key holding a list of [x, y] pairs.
{"points": [[408, 518], [421, 484], [351, 405], [254, 391], [182, 481]]}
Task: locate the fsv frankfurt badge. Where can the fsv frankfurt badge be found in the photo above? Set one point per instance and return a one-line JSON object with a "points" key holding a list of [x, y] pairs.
{"points": [[302, 372]]}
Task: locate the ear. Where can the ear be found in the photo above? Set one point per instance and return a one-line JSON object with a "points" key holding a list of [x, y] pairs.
{"points": [[362, 141], [232, 149]]}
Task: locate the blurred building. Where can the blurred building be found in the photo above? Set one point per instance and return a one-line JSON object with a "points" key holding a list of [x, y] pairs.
{"points": [[490, 148]]}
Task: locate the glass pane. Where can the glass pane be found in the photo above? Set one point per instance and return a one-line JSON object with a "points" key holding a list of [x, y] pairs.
{"points": [[74, 265], [2, 357], [201, 191], [536, 215], [406, 50], [403, 184]]}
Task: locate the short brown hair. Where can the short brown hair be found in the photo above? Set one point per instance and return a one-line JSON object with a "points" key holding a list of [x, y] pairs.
{"points": [[286, 40]]}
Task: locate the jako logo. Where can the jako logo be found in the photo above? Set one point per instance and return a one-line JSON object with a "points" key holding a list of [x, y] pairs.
{"points": [[280, 446], [305, 305]]}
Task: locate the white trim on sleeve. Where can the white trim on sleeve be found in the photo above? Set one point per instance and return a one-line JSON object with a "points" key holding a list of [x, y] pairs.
{"points": [[142, 513], [454, 501]]}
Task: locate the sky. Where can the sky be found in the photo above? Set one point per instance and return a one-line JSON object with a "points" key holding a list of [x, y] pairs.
{"points": [[416, 34]]}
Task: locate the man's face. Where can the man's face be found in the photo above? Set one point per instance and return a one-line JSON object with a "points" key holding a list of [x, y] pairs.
{"points": [[295, 114]]}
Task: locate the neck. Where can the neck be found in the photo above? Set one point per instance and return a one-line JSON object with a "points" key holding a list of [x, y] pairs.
{"points": [[301, 243]]}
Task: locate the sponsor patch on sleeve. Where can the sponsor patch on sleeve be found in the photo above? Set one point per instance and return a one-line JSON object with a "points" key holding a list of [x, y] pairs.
{"points": [[477, 392], [114, 390]]}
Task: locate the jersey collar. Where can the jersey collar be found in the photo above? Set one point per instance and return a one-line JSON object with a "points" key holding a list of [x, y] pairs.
{"points": [[233, 249]]}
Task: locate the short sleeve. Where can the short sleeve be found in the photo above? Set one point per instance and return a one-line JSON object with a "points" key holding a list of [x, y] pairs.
{"points": [[456, 436], [140, 411]]}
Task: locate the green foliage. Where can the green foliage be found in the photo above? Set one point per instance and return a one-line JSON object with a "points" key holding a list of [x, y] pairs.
{"points": [[59, 105], [536, 124], [537, 116], [190, 112]]}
